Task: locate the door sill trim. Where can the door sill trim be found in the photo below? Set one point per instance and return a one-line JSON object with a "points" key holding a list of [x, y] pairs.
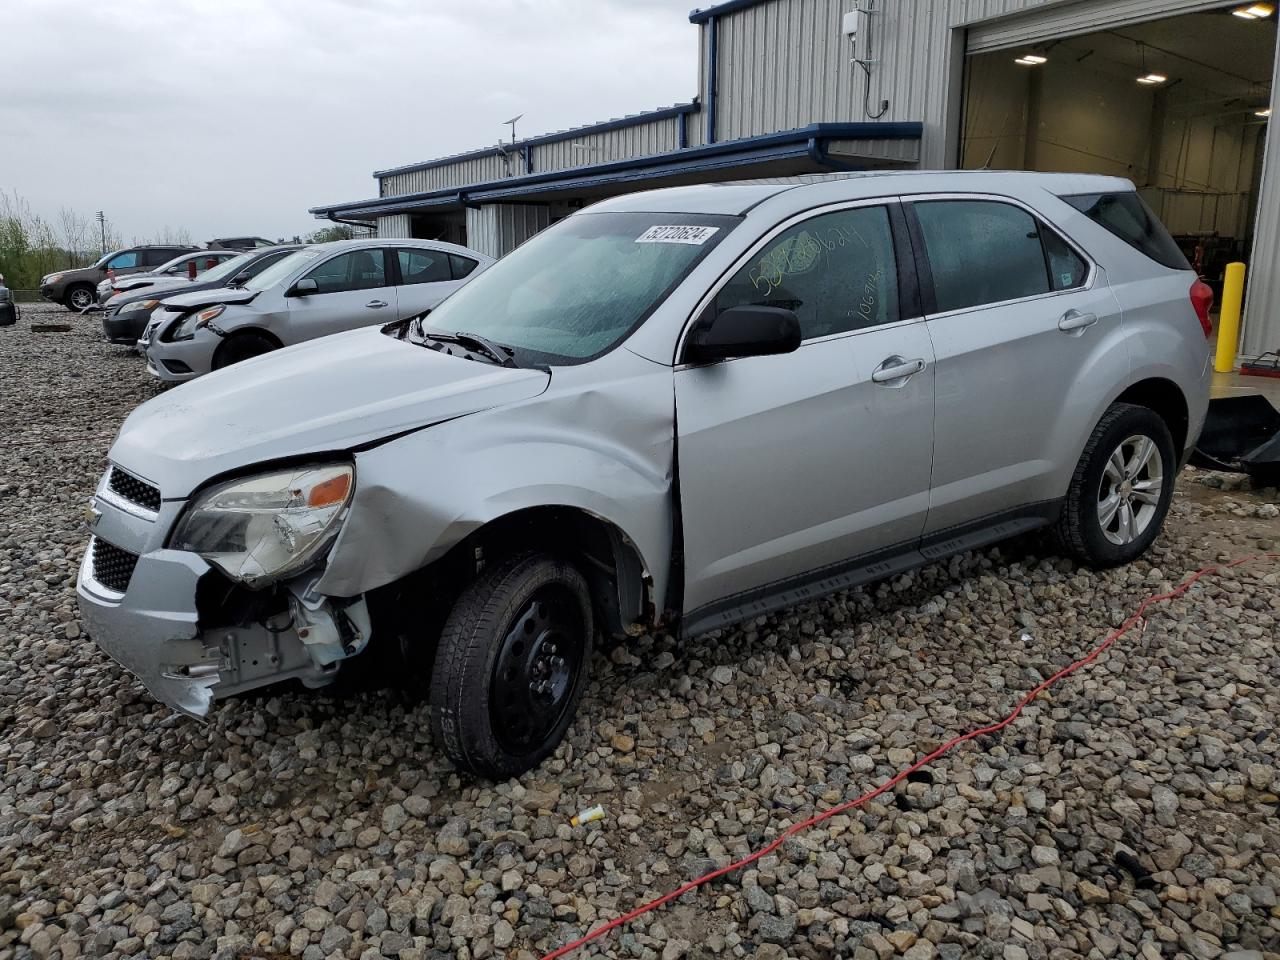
{"points": [[869, 567]]}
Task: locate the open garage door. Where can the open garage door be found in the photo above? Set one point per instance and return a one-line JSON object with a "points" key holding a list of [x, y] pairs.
{"points": [[1038, 24], [1179, 105]]}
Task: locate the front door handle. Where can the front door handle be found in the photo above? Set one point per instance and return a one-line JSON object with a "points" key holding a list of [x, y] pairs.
{"points": [[1074, 320], [376, 304], [895, 368]]}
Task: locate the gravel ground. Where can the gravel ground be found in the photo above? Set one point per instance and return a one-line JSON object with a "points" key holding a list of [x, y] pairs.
{"points": [[1131, 813]]}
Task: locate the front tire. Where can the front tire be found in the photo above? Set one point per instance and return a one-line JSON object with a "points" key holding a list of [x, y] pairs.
{"points": [[1121, 489], [511, 665], [80, 298]]}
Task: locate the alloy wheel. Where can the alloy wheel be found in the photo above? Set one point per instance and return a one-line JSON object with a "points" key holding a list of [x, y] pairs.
{"points": [[1129, 493], [81, 299]]}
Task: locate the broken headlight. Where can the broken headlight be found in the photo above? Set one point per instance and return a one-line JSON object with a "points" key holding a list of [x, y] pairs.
{"points": [[263, 528]]}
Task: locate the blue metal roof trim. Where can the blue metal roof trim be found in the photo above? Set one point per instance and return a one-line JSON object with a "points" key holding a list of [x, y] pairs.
{"points": [[729, 6], [770, 146], [604, 126]]}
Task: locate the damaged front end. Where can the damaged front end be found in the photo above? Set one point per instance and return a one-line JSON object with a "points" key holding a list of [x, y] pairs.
{"points": [[227, 603]]}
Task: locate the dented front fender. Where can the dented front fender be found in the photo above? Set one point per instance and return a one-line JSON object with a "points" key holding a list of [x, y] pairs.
{"points": [[606, 451]]}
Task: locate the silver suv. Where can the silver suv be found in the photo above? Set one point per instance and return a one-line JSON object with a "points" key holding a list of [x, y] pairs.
{"points": [[671, 411]]}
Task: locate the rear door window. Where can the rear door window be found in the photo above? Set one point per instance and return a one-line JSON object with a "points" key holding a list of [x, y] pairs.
{"points": [[981, 251], [836, 271], [423, 266]]}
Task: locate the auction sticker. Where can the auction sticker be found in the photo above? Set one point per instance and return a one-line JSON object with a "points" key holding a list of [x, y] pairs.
{"points": [[696, 236]]}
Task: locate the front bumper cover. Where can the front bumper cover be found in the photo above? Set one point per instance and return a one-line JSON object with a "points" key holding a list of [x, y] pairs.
{"points": [[151, 630], [167, 358], [125, 326]]}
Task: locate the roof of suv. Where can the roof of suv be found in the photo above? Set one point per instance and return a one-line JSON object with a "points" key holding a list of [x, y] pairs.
{"points": [[735, 198]]}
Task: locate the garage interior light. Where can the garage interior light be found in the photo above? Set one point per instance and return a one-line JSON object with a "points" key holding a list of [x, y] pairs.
{"points": [[1031, 60], [1255, 11], [1152, 79]]}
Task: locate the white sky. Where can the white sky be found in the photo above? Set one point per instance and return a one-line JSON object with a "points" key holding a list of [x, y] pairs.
{"points": [[223, 117]]}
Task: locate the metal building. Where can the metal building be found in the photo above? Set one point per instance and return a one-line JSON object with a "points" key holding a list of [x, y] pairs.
{"points": [[1174, 94]]}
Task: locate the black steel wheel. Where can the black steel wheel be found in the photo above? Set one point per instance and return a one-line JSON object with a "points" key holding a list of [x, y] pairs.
{"points": [[511, 665], [537, 670]]}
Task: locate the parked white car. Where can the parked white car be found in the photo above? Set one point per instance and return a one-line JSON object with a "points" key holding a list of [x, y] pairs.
{"points": [[323, 289]]}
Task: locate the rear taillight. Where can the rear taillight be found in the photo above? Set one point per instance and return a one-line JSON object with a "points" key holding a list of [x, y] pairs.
{"points": [[1202, 301]]}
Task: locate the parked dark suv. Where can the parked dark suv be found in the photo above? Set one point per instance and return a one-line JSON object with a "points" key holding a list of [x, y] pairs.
{"points": [[77, 289]]}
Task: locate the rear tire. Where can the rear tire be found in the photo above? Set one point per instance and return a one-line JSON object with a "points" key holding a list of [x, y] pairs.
{"points": [[1121, 489], [79, 297], [241, 346], [511, 665]]}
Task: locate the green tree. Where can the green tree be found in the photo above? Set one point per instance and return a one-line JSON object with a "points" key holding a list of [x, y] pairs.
{"points": [[339, 231]]}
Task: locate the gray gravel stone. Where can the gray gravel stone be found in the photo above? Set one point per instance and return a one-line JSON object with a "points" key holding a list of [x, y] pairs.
{"points": [[319, 825]]}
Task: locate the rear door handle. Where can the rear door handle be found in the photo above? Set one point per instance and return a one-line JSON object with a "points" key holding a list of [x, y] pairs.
{"points": [[1074, 320], [376, 304], [895, 368]]}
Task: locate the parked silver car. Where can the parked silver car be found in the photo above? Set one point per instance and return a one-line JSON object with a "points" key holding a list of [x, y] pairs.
{"points": [[322, 289], [172, 272], [674, 410]]}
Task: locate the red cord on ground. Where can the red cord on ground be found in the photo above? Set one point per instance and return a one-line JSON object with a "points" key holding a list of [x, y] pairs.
{"points": [[892, 782]]}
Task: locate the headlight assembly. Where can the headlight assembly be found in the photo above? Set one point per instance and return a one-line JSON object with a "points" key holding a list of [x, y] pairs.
{"points": [[139, 305], [195, 321], [261, 529]]}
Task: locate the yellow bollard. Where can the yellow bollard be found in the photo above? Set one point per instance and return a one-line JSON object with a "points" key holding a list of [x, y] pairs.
{"points": [[1229, 318]]}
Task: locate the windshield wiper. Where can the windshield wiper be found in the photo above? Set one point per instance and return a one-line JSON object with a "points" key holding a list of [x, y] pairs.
{"points": [[499, 353]]}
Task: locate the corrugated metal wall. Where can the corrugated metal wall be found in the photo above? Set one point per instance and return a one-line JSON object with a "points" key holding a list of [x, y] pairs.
{"points": [[661, 136], [640, 140], [499, 228], [787, 63], [397, 225]]}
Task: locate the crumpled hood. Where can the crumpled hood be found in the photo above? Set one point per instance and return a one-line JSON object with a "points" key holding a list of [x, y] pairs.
{"points": [[207, 298], [324, 396]]}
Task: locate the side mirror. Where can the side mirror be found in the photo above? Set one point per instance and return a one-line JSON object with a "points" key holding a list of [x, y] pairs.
{"points": [[304, 288], [746, 331], [243, 277]]}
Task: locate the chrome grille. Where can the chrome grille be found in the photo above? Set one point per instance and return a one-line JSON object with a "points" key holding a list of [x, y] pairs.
{"points": [[134, 490], [112, 567]]}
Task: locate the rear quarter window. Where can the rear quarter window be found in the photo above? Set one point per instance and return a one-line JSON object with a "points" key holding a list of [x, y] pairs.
{"points": [[1128, 217]]}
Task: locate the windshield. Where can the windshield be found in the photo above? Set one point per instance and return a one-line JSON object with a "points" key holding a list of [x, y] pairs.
{"points": [[578, 289], [226, 269], [282, 268], [176, 261]]}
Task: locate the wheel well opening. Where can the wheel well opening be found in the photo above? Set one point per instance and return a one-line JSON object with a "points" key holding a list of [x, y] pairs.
{"points": [[413, 610], [1166, 399], [603, 553], [256, 332]]}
